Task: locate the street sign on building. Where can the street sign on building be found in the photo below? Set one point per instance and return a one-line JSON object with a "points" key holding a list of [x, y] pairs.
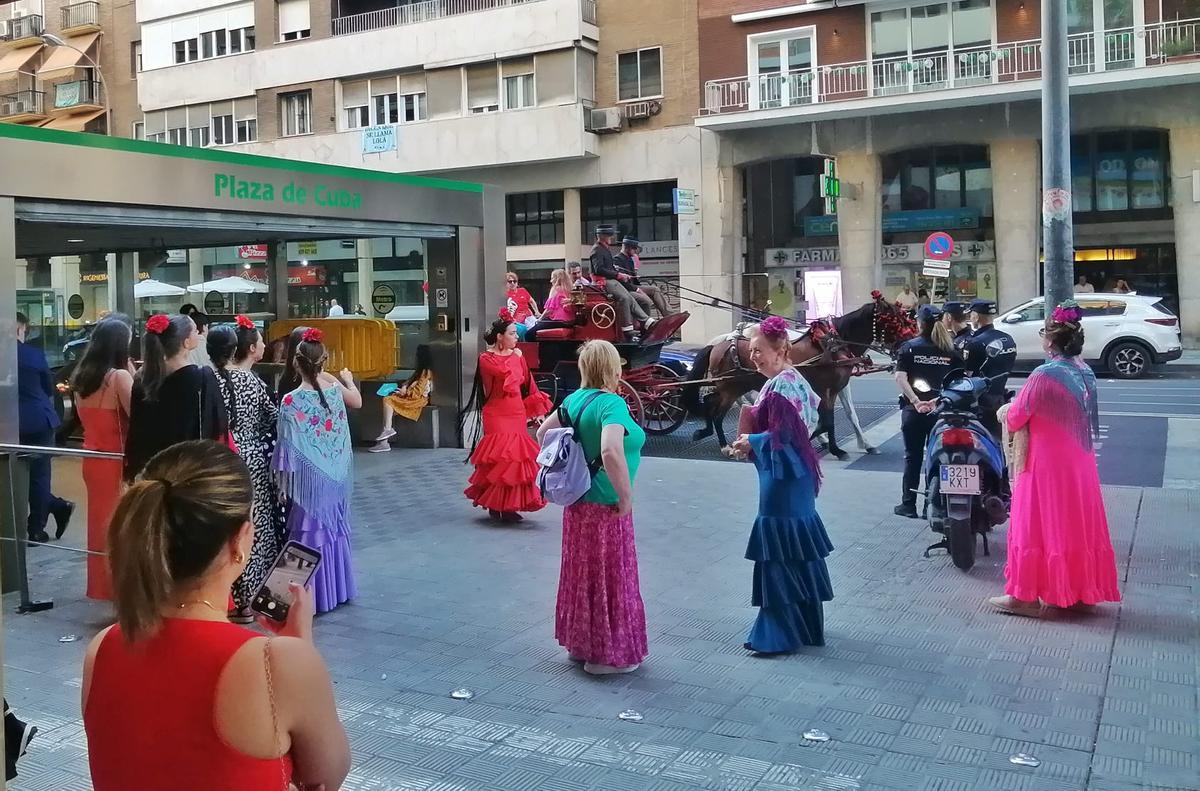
{"points": [[684, 201]]}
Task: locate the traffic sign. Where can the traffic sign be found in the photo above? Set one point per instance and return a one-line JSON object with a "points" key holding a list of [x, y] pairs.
{"points": [[383, 299], [939, 246], [934, 268]]}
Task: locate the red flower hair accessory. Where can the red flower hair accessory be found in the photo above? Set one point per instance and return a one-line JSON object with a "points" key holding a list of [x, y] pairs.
{"points": [[313, 335], [506, 315], [876, 295], [158, 324], [245, 322]]}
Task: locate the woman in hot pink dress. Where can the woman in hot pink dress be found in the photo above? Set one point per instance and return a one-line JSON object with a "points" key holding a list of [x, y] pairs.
{"points": [[1059, 550]]}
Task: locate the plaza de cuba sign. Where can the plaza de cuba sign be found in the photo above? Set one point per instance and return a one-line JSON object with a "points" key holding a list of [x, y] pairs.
{"points": [[889, 254]]}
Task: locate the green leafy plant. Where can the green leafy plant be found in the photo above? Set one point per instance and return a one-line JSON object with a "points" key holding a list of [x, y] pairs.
{"points": [[1183, 45]]}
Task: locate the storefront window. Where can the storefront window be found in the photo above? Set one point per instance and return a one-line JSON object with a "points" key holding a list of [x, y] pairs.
{"points": [[947, 177], [535, 218], [1120, 171], [642, 210]]}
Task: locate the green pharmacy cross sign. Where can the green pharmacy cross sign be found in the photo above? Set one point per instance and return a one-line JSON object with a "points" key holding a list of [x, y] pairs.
{"points": [[831, 187]]}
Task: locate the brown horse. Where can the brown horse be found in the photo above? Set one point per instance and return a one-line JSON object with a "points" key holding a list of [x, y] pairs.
{"points": [[826, 363]]}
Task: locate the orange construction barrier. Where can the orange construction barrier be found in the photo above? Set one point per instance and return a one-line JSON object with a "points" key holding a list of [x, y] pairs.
{"points": [[366, 346]]}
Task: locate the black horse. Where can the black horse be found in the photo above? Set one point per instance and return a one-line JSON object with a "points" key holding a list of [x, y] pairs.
{"points": [[826, 363]]}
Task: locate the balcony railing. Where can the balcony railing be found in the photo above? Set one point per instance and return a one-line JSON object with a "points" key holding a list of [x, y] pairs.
{"points": [[22, 103], [411, 14], [1126, 48], [28, 26], [78, 94], [85, 14], [589, 11]]}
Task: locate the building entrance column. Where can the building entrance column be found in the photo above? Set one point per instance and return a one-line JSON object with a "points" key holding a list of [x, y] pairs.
{"points": [[859, 227], [1185, 162], [711, 258], [1016, 205]]}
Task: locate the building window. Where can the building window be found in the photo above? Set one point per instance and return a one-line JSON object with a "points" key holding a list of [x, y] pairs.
{"points": [[222, 130], [294, 23], [198, 137], [932, 45], [139, 130], [945, 177], [1120, 171], [241, 40], [518, 92], [358, 117], [296, 113], [247, 130], [177, 136], [187, 50], [483, 92], [414, 107], [135, 59], [214, 44], [639, 74], [642, 210], [535, 218], [157, 137], [387, 109]]}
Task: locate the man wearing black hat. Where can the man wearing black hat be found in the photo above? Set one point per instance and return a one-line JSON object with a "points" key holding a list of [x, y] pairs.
{"points": [[921, 365], [603, 265], [991, 353], [647, 295]]}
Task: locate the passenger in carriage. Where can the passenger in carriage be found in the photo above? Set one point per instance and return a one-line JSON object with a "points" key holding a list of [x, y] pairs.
{"points": [[603, 265], [558, 310], [647, 295], [577, 276]]}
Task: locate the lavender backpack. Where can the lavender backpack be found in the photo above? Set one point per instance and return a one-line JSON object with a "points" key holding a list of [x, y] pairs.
{"points": [[565, 474]]}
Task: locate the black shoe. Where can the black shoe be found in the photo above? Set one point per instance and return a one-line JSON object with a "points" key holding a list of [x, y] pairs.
{"points": [[908, 510], [40, 537], [62, 518]]}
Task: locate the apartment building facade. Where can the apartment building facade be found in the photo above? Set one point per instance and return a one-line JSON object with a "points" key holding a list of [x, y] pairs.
{"points": [[583, 112], [930, 112]]}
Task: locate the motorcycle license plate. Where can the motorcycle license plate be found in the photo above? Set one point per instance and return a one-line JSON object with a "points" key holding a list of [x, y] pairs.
{"points": [[960, 479]]}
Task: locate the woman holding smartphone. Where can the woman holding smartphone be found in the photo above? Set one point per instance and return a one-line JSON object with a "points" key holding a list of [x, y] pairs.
{"points": [[175, 696]]}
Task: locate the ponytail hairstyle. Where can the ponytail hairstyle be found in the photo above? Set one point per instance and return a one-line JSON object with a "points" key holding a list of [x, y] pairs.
{"points": [[310, 361], [222, 344], [1065, 329], [163, 339], [247, 338], [190, 502], [289, 380], [942, 338]]}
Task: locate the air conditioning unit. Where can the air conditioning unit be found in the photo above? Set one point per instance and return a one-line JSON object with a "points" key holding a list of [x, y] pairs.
{"points": [[638, 110], [16, 107], [605, 120], [25, 27], [4, 36]]}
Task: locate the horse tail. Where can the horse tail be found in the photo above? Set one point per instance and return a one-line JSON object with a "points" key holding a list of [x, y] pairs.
{"points": [[691, 392]]}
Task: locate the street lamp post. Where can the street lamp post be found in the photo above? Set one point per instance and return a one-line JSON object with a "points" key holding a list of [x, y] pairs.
{"points": [[1057, 233], [57, 41]]}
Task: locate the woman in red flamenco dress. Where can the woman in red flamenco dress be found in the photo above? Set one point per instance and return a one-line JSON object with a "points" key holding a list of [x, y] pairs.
{"points": [[506, 458]]}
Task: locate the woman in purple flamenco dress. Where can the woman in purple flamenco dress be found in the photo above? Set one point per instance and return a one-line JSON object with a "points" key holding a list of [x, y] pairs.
{"points": [[1060, 553], [313, 460]]}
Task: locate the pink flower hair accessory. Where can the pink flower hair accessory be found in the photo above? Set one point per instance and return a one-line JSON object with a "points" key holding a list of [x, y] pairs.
{"points": [[1067, 313], [774, 327]]}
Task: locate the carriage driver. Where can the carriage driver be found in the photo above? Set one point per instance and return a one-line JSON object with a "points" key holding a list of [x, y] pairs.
{"points": [[921, 365], [647, 295], [603, 265], [992, 353]]}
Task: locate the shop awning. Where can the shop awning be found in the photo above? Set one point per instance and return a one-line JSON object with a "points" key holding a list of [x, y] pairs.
{"points": [[73, 123], [64, 59], [17, 59]]}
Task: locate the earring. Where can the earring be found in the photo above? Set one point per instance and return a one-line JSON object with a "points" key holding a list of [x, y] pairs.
{"points": [[239, 558]]}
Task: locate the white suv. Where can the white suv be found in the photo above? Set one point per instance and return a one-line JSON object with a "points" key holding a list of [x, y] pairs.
{"points": [[1126, 333]]}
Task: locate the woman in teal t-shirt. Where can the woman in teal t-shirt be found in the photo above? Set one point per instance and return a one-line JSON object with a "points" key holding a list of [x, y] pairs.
{"points": [[600, 618]]}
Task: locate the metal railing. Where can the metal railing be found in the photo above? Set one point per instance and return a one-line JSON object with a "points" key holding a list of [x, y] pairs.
{"points": [[22, 103], [589, 11], [413, 13], [80, 14], [1088, 53], [28, 26], [9, 453], [78, 93]]}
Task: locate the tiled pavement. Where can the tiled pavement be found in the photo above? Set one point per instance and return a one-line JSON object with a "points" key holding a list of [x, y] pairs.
{"points": [[919, 687]]}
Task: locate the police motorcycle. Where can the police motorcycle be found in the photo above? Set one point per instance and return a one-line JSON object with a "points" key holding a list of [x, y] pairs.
{"points": [[966, 491]]}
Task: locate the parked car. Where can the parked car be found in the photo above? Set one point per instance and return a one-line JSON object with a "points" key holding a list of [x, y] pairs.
{"points": [[1127, 334]]}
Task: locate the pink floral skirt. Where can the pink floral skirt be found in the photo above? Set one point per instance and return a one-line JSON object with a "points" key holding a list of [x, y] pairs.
{"points": [[600, 617]]}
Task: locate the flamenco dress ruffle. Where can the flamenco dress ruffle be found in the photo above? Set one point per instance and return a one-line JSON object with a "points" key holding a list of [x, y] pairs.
{"points": [[788, 545], [506, 458]]}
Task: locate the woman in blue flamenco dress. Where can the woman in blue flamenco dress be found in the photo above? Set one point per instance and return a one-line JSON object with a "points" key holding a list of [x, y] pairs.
{"points": [[313, 461], [788, 543]]}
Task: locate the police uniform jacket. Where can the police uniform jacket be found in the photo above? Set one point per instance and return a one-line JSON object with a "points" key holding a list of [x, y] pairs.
{"points": [[922, 359]]}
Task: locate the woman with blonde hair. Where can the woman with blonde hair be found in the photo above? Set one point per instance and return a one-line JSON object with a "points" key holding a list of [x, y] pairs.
{"points": [[558, 310], [175, 696], [600, 618]]}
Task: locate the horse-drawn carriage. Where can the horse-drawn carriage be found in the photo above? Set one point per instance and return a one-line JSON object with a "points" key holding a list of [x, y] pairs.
{"points": [[652, 390]]}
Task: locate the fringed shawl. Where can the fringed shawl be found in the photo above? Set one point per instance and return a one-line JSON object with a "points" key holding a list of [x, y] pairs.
{"points": [[313, 454]]}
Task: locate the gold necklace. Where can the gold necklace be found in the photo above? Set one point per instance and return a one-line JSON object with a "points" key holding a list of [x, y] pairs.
{"points": [[205, 602]]}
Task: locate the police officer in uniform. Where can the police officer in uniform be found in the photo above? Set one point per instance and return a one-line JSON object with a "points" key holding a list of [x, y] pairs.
{"points": [[921, 365], [991, 353], [954, 319], [603, 265]]}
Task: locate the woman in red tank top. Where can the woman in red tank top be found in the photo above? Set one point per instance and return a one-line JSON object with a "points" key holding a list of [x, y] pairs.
{"points": [[174, 696]]}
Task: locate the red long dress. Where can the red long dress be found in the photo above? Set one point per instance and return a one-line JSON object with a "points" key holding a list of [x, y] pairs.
{"points": [[506, 458]]}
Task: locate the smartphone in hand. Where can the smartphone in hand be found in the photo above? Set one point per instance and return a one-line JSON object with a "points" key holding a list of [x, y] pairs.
{"points": [[296, 563]]}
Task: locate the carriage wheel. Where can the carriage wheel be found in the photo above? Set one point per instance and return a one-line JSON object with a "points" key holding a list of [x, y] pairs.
{"points": [[634, 401], [603, 315], [548, 384], [662, 400]]}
